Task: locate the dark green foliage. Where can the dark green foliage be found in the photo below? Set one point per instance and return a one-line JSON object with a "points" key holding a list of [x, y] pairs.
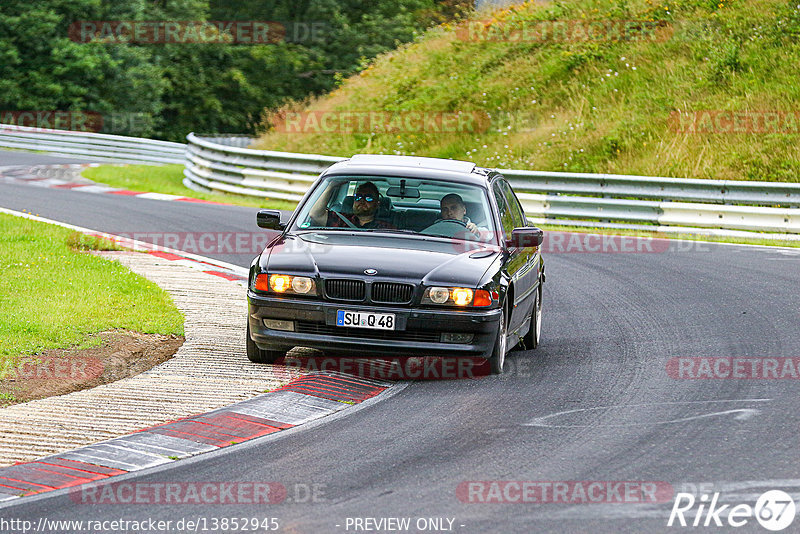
{"points": [[171, 89]]}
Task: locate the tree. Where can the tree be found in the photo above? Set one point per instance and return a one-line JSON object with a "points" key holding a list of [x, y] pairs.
{"points": [[183, 87]]}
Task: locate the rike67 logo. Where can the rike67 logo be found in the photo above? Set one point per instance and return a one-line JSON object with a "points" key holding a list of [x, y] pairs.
{"points": [[774, 510]]}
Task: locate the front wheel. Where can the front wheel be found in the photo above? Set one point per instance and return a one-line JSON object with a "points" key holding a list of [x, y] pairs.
{"points": [[498, 357], [256, 355]]}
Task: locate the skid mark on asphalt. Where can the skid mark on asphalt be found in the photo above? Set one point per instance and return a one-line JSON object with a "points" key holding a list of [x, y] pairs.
{"points": [[741, 414]]}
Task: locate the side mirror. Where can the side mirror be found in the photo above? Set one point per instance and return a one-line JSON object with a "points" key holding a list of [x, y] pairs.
{"points": [[270, 219], [525, 237]]}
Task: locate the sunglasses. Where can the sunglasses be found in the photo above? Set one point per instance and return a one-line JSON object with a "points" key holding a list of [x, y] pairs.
{"points": [[368, 198]]}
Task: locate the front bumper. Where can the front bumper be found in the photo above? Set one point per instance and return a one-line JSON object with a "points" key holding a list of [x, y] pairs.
{"points": [[418, 329]]}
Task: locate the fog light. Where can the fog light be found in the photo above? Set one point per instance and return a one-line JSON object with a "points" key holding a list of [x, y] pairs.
{"points": [[456, 338], [277, 324]]}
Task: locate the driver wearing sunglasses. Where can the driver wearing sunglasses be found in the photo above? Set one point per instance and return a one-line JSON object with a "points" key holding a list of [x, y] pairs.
{"points": [[366, 202]]}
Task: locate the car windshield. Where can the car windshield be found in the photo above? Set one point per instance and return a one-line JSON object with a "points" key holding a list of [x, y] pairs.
{"points": [[399, 205]]}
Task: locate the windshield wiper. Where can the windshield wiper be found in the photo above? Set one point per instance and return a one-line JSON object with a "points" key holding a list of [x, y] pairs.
{"points": [[391, 231]]}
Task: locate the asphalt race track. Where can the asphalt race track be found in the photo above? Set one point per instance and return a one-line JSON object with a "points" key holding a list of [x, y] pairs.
{"points": [[601, 400], [14, 157]]}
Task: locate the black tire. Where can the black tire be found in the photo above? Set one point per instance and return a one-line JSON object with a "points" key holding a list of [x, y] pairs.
{"points": [[533, 337], [256, 355], [498, 357]]}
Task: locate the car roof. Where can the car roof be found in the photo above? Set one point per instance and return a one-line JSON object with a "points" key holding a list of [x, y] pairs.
{"points": [[412, 167]]}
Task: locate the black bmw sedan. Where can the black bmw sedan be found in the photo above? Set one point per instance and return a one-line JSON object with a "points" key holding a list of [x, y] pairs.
{"points": [[399, 256]]}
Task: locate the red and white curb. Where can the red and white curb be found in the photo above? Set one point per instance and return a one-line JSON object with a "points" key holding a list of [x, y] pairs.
{"points": [[67, 176], [303, 400]]}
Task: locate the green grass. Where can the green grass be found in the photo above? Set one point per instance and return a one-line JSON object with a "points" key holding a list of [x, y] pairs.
{"points": [[54, 297], [599, 106], [168, 179], [79, 241]]}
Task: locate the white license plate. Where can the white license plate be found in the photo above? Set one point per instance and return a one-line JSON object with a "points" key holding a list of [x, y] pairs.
{"points": [[360, 319]]}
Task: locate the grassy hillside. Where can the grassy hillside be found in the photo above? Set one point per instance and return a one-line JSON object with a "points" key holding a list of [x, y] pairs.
{"points": [[590, 105]]}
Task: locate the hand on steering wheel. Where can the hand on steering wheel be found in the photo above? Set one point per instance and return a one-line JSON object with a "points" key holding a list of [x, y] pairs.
{"points": [[471, 226], [459, 221]]}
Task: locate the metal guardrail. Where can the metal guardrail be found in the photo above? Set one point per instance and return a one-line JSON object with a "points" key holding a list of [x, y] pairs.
{"points": [[220, 164], [98, 147], [666, 189], [239, 140], [261, 173], [610, 199]]}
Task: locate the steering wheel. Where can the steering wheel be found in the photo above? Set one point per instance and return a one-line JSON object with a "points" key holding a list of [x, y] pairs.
{"points": [[445, 228]]}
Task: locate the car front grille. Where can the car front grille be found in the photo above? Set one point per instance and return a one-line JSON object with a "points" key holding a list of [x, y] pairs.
{"points": [[353, 290], [308, 327], [392, 293], [381, 292]]}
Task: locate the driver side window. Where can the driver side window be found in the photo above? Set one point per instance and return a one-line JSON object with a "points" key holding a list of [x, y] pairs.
{"points": [[514, 207], [506, 219]]}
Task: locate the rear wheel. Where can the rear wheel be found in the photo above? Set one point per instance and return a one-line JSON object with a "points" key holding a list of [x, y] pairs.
{"points": [[498, 357], [256, 355], [531, 339]]}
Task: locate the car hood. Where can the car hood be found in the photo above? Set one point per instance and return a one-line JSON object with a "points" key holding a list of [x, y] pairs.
{"points": [[346, 254]]}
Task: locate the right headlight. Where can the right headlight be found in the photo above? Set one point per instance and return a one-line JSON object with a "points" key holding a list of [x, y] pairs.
{"points": [[457, 296]]}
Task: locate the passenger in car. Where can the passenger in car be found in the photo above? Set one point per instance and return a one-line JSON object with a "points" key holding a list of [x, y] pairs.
{"points": [[452, 207]]}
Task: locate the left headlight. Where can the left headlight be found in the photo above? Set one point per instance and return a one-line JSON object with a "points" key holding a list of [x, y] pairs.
{"points": [[285, 284]]}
